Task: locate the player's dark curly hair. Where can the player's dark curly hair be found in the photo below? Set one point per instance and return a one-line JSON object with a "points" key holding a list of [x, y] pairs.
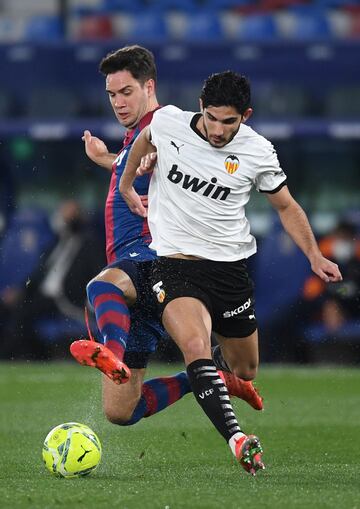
{"points": [[227, 89], [137, 60]]}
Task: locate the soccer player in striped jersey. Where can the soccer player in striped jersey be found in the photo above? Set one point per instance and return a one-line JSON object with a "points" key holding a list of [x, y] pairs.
{"points": [[120, 294], [207, 164]]}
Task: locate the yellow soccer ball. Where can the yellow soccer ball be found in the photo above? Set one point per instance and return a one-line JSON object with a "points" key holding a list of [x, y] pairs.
{"points": [[71, 450]]}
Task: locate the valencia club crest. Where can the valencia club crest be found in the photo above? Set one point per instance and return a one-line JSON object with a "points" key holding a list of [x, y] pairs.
{"points": [[231, 164]]}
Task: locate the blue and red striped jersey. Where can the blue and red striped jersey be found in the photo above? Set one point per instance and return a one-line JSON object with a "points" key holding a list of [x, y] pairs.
{"points": [[127, 234]]}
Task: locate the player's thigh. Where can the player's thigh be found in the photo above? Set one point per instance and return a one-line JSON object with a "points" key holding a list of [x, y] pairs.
{"points": [[120, 279], [188, 322], [241, 354], [120, 401]]}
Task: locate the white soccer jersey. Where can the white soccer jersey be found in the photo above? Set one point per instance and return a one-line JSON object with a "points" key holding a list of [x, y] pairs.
{"points": [[198, 193]]}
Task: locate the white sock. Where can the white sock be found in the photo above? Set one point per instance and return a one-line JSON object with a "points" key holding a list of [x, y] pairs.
{"points": [[234, 439]]}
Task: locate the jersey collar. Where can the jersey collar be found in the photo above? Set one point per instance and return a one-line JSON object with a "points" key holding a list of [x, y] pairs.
{"points": [[193, 124], [129, 136]]}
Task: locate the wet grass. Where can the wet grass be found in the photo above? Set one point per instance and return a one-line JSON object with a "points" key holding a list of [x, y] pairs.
{"points": [[309, 430]]}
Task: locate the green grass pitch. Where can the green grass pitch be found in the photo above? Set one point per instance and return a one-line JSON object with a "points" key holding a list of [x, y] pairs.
{"points": [[310, 431]]}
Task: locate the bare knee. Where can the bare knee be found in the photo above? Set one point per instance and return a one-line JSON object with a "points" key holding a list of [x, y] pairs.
{"points": [[196, 348], [105, 276], [120, 401], [120, 416], [117, 278]]}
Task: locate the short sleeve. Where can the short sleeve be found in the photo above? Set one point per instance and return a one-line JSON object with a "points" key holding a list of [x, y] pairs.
{"points": [[269, 177], [154, 128], [160, 122]]}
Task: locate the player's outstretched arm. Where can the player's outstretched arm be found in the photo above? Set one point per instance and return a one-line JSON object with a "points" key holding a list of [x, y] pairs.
{"points": [[97, 151], [141, 147], [298, 227]]}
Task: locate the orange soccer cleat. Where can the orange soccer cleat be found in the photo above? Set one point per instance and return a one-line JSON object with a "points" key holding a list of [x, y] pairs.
{"points": [[242, 389], [90, 353], [248, 452]]}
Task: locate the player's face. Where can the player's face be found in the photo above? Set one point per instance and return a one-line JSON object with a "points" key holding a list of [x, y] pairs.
{"points": [[129, 99], [220, 124]]}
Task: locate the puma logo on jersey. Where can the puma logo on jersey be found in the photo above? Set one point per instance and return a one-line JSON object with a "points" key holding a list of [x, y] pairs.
{"points": [[196, 185], [177, 147]]}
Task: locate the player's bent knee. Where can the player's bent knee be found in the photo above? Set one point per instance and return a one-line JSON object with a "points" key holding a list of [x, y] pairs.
{"points": [[196, 348], [106, 276], [120, 411], [119, 417]]}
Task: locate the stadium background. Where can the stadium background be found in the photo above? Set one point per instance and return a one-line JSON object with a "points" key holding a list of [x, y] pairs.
{"points": [[302, 59]]}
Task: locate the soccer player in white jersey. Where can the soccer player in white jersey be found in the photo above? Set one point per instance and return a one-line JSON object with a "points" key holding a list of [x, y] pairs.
{"points": [[207, 164]]}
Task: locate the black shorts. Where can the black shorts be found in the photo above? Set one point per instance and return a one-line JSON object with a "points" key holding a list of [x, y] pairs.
{"points": [[224, 287], [139, 273]]}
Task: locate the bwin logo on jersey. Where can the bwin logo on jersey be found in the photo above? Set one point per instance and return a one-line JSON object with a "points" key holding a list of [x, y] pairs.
{"points": [[159, 292], [239, 310], [196, 185], [231, 164]]}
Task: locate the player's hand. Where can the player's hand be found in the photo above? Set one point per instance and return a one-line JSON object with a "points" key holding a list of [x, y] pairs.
{"points": [[134, 202], [94, 147], [144, 200], [327, 270], [147, 164]]}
